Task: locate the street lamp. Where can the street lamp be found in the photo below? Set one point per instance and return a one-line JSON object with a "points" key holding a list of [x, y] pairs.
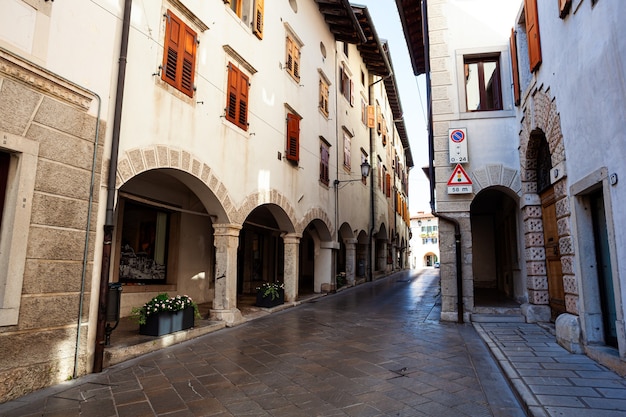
{"points": [[365, 171]]}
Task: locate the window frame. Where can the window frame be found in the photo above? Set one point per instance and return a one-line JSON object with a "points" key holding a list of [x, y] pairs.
{"points": [[483, 89], [15, 229], [292, 60], [176, 52], [347, 151], [324, 88]]}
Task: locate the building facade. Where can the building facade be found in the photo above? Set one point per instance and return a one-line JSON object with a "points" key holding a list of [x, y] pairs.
{"points": [[424, 240], [192, 147], [537, 215]]}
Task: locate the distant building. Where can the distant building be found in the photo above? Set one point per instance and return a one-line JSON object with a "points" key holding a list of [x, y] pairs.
{"points": [[424, 240]]}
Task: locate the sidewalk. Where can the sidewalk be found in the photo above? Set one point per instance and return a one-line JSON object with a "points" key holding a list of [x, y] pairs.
{"points": [[549, 380]]}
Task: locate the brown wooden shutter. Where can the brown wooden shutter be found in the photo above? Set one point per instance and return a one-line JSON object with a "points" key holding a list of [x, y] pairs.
{"points": [[514, 67], [293, 137], [232, 94], [257, 24], [532, 32], [189, 62], [371, 117], [564, 6], [351, 93], [172, 46], [388, 185], [242, 117]]}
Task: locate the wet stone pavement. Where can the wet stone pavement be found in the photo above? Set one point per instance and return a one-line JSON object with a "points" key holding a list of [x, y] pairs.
{"points": [[374, 350]]}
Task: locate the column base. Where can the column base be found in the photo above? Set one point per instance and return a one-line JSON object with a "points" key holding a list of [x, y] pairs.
{"points": [[232, 317]]}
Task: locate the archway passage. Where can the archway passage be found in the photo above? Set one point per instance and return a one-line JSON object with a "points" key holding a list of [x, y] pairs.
{"points": [[495, 263], [261, 254]]}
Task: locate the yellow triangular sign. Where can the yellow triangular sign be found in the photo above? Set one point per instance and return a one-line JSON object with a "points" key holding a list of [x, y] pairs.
{"points": [[459, 177]]}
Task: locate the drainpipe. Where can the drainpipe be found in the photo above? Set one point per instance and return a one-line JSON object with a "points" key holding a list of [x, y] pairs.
{"points": [[431, 168], [110, 202]]}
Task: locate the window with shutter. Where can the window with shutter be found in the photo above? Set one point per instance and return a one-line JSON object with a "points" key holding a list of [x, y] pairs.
{"points": [[532, 33], [347, 145], [237, 97], [371, 117], [324, 163], [388, 185], [345, 85], [293, 58], [323, 101], [293, 138], [257, 23], [179, 56]]}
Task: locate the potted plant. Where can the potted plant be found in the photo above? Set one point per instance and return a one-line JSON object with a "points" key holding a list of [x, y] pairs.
{"points": [[270, 294], [164, 314]]}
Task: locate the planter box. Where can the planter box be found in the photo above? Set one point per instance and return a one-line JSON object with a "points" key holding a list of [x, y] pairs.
{"points": [[267, 302], [168, 322]]}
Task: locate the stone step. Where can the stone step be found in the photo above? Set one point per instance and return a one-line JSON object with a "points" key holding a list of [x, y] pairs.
{"points": [[497, 318]]}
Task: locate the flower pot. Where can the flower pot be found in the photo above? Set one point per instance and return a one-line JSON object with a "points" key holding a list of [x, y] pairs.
{"points": [[267, 302], [168, 322]]}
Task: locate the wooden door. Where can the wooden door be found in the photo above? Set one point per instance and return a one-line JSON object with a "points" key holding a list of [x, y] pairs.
{"points": [[553, 256]]}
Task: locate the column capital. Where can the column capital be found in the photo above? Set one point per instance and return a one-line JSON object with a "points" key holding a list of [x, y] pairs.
{"points": [[291, 237], [226, 229]]}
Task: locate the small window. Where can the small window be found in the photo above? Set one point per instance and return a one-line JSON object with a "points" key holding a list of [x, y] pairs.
{"points": [[323, 100], [292, 151], [237, 97], [293, 58], [364, 112], [345, 48], [324, 162], [179, 56], [482, 84]]}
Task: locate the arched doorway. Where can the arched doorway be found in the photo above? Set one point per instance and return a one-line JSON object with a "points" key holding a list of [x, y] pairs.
{"points": [[261, 251], [495, 263]]}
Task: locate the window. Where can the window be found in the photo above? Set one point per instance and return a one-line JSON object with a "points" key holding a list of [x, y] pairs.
{"points": [[347, 144], [179, 56], [346, 86], [482, 83], [345, 48], [246, 8], [293, 58], [324, 162], [237, 97], [323, 105], [145, 239], [364, 111], [532, 34], [363, 160], [293, 138]]}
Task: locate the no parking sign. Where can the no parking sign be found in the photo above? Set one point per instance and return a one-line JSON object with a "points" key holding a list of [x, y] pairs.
{"points": [[457, 139]]}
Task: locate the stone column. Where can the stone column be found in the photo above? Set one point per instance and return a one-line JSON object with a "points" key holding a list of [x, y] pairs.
{"points": [[350, 260], [226, 238], [324, 265], [291, 273]]}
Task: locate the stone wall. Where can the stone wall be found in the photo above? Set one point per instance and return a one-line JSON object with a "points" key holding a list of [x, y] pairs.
{"points": [[37, 106]]}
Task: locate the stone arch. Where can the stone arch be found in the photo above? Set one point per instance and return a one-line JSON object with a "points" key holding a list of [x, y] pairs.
{"points": [[135, 161], [270, 198], [542, 120], [315, 213], [497, 175]]}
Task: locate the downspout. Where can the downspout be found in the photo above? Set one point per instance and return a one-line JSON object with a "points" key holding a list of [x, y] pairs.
{"points": [[431, 168], [110, 203]]}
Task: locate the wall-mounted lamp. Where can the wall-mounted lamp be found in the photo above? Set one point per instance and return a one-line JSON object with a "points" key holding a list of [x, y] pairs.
{"points": [[365, 172]]}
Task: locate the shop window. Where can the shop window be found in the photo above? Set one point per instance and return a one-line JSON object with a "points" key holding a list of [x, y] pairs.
{"points": [[179, 56], [482, 83], [144, 245], [237, 98]]}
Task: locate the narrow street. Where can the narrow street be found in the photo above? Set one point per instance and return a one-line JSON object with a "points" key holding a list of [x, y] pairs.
{"points": [[374, 350]]}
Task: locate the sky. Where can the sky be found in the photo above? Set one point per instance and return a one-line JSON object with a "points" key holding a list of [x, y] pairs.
{"points": [[412, 90]]}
